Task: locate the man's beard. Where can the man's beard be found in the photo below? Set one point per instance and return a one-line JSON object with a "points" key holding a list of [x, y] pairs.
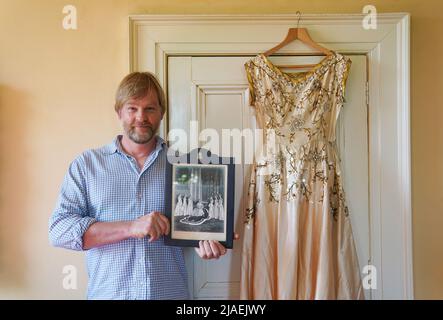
{"points": [[140, 137]]}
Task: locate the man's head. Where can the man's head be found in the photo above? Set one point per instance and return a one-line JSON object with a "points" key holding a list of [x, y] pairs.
{"points": [[140, 104]]}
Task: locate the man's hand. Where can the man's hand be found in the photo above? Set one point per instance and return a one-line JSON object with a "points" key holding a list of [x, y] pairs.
{"points": [[153, 225], [211, 249]]}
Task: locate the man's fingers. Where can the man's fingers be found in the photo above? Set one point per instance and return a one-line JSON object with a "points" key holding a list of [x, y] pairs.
{"points": [[222, 249], [208, 249], [162, 224], [201, 250], [216, 251], [152, 235], [159, 225], [166, 223], [155, 231]]}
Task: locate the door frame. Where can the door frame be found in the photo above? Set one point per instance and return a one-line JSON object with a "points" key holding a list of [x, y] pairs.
{"points": [[153, 38]]}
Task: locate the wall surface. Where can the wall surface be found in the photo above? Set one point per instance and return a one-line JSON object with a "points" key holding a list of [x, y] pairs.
{"points": [[56, 100]]}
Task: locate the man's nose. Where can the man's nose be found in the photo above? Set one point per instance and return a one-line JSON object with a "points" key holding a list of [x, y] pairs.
{"points": [[141, 116]]}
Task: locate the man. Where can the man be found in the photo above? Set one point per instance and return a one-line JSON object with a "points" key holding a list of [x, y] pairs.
{"points": [[111, 205]]}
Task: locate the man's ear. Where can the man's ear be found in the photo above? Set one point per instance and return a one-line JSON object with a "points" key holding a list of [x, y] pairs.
{"points": [[119, 113]]}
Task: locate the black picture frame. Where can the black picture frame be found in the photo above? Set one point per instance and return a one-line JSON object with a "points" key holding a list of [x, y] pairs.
{"points": [[199, 198]]}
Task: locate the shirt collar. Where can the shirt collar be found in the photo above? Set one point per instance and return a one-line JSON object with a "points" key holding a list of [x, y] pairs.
{"points": [[115, 145]]}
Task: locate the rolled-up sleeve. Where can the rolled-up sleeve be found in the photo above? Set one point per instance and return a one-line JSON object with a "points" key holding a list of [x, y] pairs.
{"points": [[70, 218]]}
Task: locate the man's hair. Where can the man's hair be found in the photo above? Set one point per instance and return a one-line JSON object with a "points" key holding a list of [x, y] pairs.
{"points": [[137, 85]]}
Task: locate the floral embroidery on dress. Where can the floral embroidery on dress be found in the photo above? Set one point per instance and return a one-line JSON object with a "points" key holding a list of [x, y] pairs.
{"points": [[301, 110]]}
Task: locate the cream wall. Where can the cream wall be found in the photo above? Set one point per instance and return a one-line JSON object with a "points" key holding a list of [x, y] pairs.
{"points": [[56, 97]]}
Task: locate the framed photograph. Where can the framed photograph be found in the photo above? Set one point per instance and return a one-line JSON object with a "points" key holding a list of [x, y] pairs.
{"points": [[200, 199]]}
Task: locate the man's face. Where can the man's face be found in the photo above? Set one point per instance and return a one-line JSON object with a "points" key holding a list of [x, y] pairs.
{"points": [[141, 118]]}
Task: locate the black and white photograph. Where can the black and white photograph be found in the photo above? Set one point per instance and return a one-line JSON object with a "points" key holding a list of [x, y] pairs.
{"points": [[199, 200]]}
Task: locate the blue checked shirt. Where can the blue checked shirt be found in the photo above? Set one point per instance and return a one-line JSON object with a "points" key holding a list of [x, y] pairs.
{"points": [[106, 184]]}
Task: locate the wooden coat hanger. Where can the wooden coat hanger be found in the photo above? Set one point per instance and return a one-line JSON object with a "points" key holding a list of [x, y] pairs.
{"points": [[302, 35]]}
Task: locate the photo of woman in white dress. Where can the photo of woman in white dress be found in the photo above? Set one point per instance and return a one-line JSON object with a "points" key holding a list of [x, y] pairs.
{"points": [[199, 192]]}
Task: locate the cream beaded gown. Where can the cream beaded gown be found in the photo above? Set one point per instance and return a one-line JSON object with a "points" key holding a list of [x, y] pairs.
{"points": [[298, 241]]}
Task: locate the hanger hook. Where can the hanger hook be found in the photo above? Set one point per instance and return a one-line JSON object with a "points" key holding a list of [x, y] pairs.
{"points": [[298, 13]]}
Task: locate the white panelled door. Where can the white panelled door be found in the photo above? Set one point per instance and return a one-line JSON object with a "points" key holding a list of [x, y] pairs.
{"points": [[214, 91]]}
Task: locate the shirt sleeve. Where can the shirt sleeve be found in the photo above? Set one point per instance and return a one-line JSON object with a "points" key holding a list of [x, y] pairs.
{"points": [[70, 218]]}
